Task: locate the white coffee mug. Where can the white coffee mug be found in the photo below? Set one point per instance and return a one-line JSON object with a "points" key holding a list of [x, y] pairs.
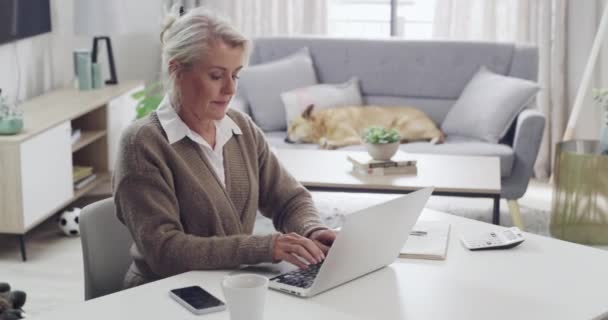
{"points": [[245, 295]]}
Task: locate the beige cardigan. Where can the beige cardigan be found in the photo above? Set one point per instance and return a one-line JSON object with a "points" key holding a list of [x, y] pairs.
{"points": [[182, 218]]}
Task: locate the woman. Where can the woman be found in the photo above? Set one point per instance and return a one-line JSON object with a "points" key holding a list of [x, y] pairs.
{"points": [[191, 176]]}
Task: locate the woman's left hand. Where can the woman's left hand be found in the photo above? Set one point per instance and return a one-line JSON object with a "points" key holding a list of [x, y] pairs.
{"points": [[324, 238]]}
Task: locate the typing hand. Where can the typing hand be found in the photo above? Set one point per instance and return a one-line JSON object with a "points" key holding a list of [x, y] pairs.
{"points": [[323, 239], [297, 250]]}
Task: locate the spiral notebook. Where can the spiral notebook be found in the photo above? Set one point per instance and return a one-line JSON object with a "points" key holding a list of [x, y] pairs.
{"points": [[428, 240]]}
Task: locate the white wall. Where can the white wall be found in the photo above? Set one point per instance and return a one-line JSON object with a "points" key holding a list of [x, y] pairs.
{"points": [[45, 62]]}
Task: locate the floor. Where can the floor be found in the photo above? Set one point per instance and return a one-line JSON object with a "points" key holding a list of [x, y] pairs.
{"points": [[53, 274]]}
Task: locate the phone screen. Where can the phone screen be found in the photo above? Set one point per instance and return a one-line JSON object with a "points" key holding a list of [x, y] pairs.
{"points": [[197, 297]]}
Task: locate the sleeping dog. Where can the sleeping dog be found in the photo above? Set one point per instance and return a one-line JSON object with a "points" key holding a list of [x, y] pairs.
{"points": [[340, 127]]}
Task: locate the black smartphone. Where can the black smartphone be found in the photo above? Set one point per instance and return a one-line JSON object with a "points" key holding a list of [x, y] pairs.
{"points": [[197, 300]]}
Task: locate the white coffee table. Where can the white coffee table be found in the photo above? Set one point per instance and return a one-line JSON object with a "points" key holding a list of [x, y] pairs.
{"points": [[450, 175]]}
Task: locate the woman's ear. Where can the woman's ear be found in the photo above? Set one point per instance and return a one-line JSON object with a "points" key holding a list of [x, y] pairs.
{"points": [[174, 68]]}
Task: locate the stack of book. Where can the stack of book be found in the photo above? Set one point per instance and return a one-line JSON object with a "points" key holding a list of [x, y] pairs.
{"points": [[82, 176], [363, 164]]}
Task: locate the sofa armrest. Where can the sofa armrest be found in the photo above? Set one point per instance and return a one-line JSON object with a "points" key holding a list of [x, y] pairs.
{"points": [[239, 103], [526, 143]]}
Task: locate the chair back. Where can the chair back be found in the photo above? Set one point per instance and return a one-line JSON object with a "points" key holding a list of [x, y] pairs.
{"points": [[105, 249]]}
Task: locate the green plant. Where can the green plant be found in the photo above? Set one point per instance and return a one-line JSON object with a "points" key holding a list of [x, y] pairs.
{"points": [[377, 135], [148, 99], [8, 110], [600, 96]]}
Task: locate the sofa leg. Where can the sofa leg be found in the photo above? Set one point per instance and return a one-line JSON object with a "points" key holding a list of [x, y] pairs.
{"points": [[515, 214]]}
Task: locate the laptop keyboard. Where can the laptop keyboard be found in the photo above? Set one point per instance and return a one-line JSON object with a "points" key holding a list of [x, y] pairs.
{"points": [[302, 278]]}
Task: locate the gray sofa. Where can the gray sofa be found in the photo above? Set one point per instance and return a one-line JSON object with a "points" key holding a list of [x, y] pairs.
{"points": [[427, 74]]}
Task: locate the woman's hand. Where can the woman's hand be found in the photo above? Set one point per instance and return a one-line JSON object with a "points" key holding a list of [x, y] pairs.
{"points": [[297, 250], [324, 238]]}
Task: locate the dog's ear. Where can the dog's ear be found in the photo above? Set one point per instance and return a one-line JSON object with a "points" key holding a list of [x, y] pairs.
{"points": [[308, 112]]}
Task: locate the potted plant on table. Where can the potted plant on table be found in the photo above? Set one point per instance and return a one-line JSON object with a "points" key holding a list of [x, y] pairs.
{"points": [[381, 143], [600, 96], [11, 117]]}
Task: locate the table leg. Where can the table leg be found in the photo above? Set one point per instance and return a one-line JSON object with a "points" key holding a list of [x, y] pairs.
{"points": [[496, 212], [22, 245]]}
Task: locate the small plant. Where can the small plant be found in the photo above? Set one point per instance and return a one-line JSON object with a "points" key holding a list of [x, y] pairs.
{"points": [[600, 96], [148, 99], [11, 117], [9, 111], [379, 135]]}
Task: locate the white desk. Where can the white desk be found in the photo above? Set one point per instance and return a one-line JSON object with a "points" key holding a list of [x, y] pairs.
{"points": [[543, 278]]}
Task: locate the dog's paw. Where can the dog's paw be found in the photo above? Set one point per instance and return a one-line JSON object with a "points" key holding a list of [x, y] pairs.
{"points": [[328, 145], [439, 139], [323, 143]]}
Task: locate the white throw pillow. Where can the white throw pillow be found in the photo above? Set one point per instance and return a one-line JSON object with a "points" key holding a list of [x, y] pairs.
{"points": [[488, 105], [263, 84], [323, 96]]}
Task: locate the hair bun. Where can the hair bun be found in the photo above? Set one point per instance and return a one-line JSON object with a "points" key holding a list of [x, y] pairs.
{"points": [[167, 23]]}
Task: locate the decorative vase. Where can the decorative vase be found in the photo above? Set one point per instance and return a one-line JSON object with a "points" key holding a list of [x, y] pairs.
{"points": [[382, 151], [10, 126]]}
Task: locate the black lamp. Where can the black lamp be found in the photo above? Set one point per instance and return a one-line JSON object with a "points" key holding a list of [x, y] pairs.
{"points": [[96, 40]]}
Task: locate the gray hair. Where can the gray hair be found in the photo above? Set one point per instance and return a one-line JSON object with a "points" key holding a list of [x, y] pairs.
{"points": [[186, 38]]}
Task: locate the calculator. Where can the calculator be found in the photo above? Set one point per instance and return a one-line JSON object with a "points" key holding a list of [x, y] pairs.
{"points": [[504, 239]]}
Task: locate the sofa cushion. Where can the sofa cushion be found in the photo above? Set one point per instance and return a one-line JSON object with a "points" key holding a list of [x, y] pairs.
{"points": [[263, 84], [456, 145], [276, 139], [488, 105], [453, 145], [323, 96], [239, 103]]}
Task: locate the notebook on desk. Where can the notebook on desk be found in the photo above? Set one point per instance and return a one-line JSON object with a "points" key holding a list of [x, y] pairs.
{"points": [[369, 240], [428, 240]]}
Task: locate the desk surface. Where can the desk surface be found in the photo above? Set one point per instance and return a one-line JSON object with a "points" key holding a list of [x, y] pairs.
{"points": [[446, 173], [543, 278]]}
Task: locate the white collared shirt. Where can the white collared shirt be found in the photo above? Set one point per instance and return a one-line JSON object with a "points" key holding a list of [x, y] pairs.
{"points": [[176, 130]]}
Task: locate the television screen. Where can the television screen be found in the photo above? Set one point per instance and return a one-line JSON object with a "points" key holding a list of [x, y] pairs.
{"points": [[23, 18]]}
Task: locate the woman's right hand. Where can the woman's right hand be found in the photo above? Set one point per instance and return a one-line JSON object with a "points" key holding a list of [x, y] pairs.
{"points": [[297, 250]]}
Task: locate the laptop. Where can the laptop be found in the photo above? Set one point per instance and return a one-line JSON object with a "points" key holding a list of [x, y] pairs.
{"points": [[369, 240]]}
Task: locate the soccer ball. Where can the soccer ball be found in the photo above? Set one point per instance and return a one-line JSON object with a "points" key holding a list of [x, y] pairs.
{"points": [[68, 222]]}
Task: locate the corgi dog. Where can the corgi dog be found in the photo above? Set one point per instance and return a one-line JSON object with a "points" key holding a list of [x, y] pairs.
{"points": [[340, 127]]}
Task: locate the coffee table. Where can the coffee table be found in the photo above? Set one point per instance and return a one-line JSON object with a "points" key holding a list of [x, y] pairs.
{"points": [[450, 175]]}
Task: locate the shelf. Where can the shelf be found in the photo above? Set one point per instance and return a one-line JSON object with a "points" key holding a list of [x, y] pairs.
{"points": [[101, 178], [36, 173], [86, 138]]}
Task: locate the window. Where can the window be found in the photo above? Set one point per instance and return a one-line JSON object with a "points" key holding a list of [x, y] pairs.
{"points": [[372, 18]]}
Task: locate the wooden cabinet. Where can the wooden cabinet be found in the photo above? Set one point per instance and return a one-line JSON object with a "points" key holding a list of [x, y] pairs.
{"points": [[46, 173], [36, 166]]}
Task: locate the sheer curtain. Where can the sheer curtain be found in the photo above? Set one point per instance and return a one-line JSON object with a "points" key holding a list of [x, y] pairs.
{"points": [[538, 22], [273, 17]]}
